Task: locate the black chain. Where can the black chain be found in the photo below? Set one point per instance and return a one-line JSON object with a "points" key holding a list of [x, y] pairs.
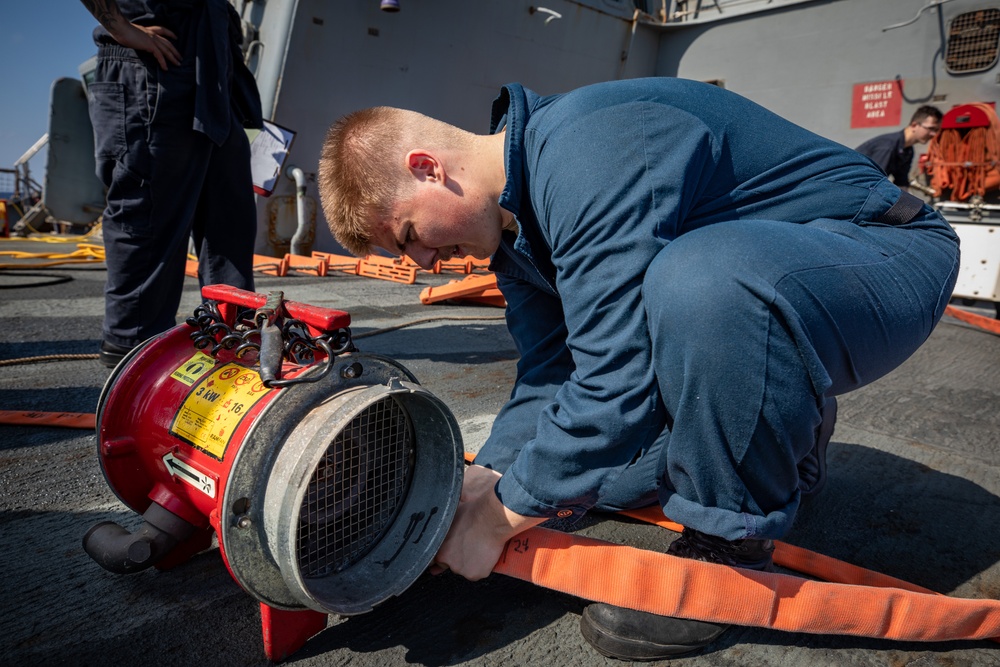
{"points": [[299, 346]]}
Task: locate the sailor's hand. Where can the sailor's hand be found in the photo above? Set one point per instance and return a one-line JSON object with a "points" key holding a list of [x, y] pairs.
{"points": [[477, 481], [481, 528], [153, 39]]}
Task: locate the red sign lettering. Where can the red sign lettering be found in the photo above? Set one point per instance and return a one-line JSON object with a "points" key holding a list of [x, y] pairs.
{"points": [[877, 104]]}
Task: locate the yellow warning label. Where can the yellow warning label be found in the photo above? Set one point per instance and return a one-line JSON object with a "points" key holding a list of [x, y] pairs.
{"points": [[193, 368], [215, 407]]}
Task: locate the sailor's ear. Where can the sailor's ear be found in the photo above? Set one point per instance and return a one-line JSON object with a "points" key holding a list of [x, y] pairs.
{"points": [[424, 166]]}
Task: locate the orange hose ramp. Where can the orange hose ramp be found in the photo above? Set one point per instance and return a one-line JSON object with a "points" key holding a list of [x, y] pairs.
{"points": [[319, 266], [467, 264], [371, 266], [476, 288], [395, 269], [272, 266], [387, 268]]}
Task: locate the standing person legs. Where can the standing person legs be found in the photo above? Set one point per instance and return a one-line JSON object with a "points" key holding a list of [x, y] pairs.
{"points": [[147, 227], [225, 224], [164, 180]]}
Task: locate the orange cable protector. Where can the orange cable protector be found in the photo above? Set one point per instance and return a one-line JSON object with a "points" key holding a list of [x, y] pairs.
{"points": [[272, 266], [345, 263], [315, 265], [470, 286], [386, 268]]}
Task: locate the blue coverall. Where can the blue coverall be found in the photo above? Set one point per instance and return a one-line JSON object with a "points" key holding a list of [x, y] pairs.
{"points": [[691, 277], [891, 154], [172, 151]]}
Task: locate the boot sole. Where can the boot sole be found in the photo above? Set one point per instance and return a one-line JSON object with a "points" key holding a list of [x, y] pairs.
{"points": [[622, 648]]}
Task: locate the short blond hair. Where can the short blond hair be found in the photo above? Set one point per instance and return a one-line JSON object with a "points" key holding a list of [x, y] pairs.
{"points": [[362, 168], [360, 173]]}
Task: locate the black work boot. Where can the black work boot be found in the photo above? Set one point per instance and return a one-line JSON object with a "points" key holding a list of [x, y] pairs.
{"points": [[111, 355], [628, 634], [812, 469]]}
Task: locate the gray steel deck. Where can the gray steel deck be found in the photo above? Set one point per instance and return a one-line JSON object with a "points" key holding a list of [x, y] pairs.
{"points": [[914, 492]]}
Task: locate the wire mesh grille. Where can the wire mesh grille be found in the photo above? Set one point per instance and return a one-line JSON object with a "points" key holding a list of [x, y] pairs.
{"points": [[972, 41], [356, 489]]}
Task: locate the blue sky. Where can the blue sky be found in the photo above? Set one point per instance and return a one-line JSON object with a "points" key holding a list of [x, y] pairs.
{"points": [[43, 40]]}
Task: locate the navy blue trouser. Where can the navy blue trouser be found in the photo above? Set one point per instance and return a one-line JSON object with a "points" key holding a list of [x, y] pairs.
{"points": [[753, 324], [166, 184]]}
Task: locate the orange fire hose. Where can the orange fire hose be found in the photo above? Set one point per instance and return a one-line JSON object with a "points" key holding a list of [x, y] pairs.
{"points": [[799, 559], [851, 601], [981, 321], [63, 419], [671, 586]]}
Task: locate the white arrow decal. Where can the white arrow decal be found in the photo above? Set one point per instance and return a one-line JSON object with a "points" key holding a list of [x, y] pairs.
{"points": [[185, 472]]}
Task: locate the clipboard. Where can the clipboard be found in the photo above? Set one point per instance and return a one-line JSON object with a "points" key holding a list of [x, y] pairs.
{"points": [[268, 149]]}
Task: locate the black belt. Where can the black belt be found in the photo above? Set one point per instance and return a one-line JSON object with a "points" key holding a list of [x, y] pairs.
{"points": [[906, 208]]}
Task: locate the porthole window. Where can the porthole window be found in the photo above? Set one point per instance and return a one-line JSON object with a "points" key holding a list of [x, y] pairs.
{"points": [[972, 41]]}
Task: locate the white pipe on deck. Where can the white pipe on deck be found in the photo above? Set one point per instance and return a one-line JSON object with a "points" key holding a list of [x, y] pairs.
{"points": [[304, 228]]}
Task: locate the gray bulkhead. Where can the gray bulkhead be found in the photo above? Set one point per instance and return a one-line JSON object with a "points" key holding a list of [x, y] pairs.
{"points": [[316, 60]]}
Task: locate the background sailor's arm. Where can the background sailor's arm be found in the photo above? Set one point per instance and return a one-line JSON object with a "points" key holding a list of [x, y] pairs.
{"points": [[152, 39]]}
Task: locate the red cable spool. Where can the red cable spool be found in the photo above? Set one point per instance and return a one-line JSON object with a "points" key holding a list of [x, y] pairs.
{"points": [[963, 158], [330, 477]]}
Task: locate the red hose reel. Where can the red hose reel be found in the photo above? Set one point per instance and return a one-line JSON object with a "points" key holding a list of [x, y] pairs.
{"points": [[329, 477]]}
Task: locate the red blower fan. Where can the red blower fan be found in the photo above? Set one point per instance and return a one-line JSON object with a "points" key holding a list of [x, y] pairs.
{"points": [[329, 477]]}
